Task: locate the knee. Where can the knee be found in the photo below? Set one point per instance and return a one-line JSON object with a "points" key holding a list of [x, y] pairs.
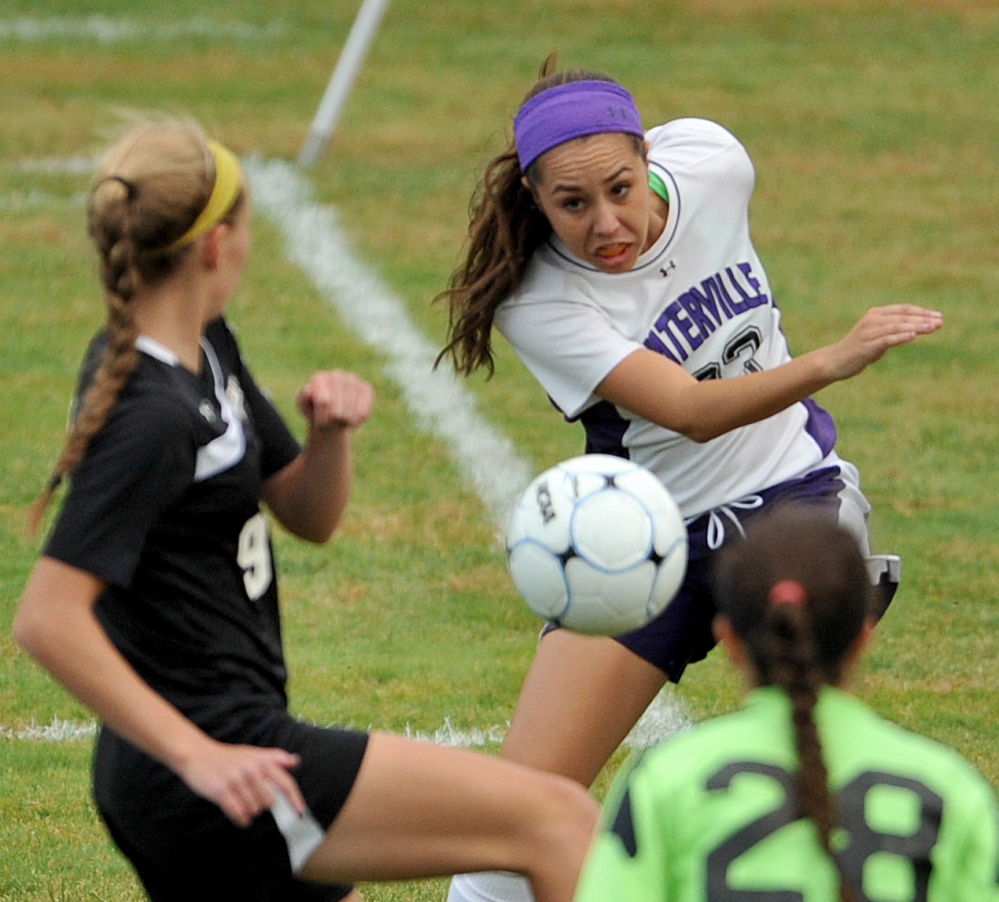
{"points": [[571, 814]]}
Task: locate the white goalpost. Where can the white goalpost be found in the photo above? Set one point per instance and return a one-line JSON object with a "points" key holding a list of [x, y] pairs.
{"points": [[362, 33]]}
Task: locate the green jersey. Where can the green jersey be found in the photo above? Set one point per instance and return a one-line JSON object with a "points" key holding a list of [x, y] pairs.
{"points": [[712, 816]]}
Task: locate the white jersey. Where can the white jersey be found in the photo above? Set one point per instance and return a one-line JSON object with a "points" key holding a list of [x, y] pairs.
{"points": [[700, 297]]}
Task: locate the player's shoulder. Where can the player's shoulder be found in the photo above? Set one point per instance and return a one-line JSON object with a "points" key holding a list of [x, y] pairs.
{"points": [[161, 400], [934, 759], [860, 737], [701, 149], [552, 281], [693, 132], [154, 410]]}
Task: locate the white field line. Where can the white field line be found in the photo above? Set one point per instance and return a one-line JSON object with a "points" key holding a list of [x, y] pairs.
{"points": [[79, 165], [315, 242], [664, 717], [486, 458], [106, 30], [57, 731]]}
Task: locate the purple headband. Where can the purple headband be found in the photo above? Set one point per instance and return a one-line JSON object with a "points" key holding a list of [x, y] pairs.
{"points": [[573, 110]]}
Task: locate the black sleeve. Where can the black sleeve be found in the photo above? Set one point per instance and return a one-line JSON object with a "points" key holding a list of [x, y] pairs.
{"points": [[140, 463]]}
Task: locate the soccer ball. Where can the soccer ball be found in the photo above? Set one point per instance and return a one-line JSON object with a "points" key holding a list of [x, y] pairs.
{"points": [[597, 545]]}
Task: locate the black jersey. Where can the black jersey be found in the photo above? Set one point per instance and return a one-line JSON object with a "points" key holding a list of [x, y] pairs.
{"points": [[165, 509]]}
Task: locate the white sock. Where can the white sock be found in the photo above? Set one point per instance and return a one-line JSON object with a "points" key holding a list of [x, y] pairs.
{"points": [[490, 886]]}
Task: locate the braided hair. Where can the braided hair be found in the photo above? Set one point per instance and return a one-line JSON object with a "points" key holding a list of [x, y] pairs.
{"points": [[796, 591], [148, 190]]}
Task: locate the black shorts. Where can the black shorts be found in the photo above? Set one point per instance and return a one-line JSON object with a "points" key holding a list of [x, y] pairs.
{"points": [[184, 849]]}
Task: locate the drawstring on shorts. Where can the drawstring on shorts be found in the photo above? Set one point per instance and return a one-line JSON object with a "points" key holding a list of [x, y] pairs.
{"points": [[716, 525]]}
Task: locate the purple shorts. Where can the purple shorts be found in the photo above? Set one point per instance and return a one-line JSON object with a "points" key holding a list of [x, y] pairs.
{"points": [[683, 634]]}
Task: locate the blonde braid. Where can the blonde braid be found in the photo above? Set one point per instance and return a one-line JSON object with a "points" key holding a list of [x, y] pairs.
{"points": [[151, 186], [120, 357]]}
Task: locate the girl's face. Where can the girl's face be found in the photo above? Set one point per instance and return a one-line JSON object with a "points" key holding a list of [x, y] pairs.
{"points": [[595, 193]]}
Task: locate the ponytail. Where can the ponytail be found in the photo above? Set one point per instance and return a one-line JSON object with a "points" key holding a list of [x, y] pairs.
{"points": [[796, 591], [150, 189], [787, 660], [505, 229], [114, 195]]}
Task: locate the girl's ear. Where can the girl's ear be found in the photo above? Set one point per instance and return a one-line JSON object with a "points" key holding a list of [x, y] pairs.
{"points": [[212, 245]]}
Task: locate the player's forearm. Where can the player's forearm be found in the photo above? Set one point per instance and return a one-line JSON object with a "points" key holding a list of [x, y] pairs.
{"points": [[722, 405], [309, 496], [660, 391]]}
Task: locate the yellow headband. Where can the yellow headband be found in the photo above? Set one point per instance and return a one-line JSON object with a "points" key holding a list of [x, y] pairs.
{"points": [[228, 182]]}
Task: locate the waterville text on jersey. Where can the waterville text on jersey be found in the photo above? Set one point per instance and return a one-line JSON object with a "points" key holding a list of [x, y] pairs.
{"points": [[695, 315]]}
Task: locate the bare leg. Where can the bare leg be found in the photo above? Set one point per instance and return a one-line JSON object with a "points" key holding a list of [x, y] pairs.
{"points": [[581, 697], [420, 810]]}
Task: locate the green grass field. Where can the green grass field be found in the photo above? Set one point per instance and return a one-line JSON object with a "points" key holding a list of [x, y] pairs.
{"points": [[875, 133]]}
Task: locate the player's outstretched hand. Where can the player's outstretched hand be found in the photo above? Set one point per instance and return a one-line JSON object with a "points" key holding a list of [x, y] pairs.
{"points": [[335, 399], [242, 779], [878, 330]]}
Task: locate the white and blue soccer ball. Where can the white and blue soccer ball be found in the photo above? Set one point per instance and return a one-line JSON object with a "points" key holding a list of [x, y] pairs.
{"points": [[597, 545]]}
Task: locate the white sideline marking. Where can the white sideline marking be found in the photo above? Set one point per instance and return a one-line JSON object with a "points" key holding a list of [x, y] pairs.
{"points": [[664, 717], [315, 242], [463, 739], [79, 165], [57, 731], [106, 30]]}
